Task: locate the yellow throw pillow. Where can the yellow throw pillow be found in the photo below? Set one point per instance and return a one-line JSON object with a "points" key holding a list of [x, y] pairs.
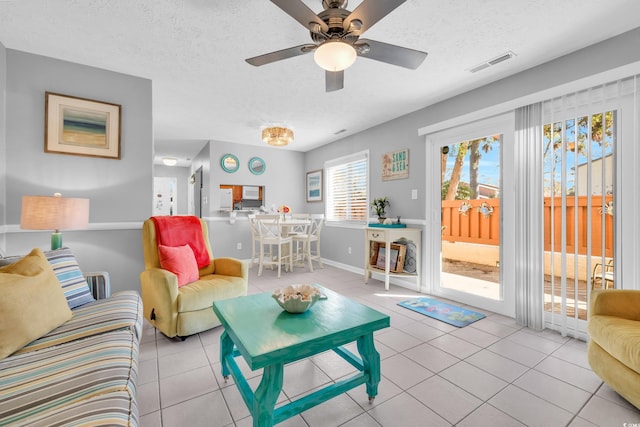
{"points": [[32, 302]]}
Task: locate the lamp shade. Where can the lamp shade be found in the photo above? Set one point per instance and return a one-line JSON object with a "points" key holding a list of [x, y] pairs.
{"points": [[335, 55], [54, 213]]}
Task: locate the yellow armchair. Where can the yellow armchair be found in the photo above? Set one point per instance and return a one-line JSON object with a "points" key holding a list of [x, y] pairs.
{"points": [[186, 310], [614, 344]]}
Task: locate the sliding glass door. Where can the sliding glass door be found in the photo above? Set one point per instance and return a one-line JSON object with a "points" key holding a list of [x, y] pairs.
{"points": [[579, 214]]}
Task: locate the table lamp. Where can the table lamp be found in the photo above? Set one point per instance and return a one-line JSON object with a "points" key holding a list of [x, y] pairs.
{"points": [[54, 213]]}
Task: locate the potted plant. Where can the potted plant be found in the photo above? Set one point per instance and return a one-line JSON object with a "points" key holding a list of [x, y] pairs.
{"points": [[379, 205]]}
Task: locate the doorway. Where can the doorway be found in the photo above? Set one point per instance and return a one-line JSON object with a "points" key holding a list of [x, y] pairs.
{"points": [[472, 261], [196, 179]]}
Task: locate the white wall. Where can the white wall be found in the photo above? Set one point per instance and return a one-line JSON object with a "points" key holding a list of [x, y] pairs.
{"points": [[182, 174]]}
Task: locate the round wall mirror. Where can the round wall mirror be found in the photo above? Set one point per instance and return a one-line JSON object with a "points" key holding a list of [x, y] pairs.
{"points": [[257, 166], [229, 163]]}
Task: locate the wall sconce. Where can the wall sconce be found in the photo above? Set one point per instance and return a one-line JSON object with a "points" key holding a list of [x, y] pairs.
{"points": [[54, 213]]}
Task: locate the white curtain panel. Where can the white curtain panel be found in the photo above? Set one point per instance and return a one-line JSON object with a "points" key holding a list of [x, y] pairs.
{"points": [[529, 267]]}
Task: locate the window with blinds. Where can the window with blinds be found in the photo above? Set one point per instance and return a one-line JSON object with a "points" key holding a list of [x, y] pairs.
{"points": [[347, 180]]}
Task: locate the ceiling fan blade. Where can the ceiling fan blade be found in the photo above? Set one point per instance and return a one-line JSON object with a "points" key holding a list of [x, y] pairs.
{"points": [[334, 80], [368, 13], [301, 13], [389, 53], [279, 55]]}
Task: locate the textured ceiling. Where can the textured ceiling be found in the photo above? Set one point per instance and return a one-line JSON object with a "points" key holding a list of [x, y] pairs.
{"points": [[194, 51]]}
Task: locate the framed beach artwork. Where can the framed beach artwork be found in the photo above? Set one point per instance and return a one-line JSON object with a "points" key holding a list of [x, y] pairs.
{"points": [[81, 127], [395, 165], [314, 186]]}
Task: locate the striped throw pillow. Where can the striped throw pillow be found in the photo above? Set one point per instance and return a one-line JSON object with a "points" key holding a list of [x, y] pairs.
{"points": [[68, 272]]}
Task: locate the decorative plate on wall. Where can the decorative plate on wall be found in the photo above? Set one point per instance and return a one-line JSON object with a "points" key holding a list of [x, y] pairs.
{"points": [[257, 166], [229, 163]]}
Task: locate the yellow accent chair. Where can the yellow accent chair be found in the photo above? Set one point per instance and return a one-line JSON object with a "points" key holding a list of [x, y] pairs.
{"points": [[187, 310], [614, 344]]}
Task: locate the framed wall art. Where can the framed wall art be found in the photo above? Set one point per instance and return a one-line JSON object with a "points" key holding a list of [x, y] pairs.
{"points": [[314, 186], [81, 127], [395, 165]]}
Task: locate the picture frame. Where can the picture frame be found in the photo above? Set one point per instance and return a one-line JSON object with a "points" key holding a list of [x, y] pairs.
{"points": [[397, 252], [314, 186], [395, 165], [81, 127]]}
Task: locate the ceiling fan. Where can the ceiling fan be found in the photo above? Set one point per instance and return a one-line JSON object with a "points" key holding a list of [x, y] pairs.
{"points": [[336, 35]]}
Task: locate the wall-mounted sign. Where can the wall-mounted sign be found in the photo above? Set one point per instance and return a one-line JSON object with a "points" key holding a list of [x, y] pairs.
{"points": [[395, 165]]}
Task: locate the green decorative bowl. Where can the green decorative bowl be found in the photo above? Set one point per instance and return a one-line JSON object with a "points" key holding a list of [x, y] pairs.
{"points": [[296, 298]]}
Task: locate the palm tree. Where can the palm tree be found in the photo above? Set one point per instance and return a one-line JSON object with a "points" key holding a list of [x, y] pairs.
{"points": [[457, 171]]}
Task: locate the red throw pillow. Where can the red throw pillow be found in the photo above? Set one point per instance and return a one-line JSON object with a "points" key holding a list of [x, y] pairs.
{"points": [[181, 261]]}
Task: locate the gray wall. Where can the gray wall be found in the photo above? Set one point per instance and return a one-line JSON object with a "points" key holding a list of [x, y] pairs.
{"points": [[3, 144], [119, 190], [403, 133], [283, 180]]}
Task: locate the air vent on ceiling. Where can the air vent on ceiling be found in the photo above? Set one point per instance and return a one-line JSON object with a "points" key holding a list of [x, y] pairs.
{"points": [[493, 61]]}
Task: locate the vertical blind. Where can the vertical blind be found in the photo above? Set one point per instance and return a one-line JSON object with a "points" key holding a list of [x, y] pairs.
{"points": [[347, 188], [581, 188]]}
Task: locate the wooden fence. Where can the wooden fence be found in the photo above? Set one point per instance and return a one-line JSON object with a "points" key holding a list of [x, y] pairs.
{"points": [[474, 227], [579, 209]]}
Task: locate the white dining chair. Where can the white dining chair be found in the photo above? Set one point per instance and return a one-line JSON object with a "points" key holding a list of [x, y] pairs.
{"points": [[270, 235], [312, 235], [255, 239]]}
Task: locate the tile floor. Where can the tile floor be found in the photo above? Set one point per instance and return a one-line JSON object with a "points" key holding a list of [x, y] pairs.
{"points": [[491, 373]]}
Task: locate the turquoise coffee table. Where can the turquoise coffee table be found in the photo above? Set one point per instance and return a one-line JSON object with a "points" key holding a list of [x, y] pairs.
{"points": [[267, 337]]}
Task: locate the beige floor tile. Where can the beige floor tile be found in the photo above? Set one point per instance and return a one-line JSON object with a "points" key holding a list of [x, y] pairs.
{"points": [[476, 381], [446, 399], [208, 410], [187, 385], [487, 415], [551, 377], [403, 371], [406, 411], [529, 409]]}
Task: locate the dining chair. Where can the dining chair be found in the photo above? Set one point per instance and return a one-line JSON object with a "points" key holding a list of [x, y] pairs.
{"points": [[255, 239], [299, 228], [603, 275], [312, 235], [270, 234]]}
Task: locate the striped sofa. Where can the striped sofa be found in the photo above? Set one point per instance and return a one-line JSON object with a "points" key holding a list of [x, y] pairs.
{"points": [[81, 373]]}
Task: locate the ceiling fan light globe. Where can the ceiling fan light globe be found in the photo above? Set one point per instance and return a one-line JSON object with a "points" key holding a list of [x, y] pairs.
{"points": [[335, 55]]}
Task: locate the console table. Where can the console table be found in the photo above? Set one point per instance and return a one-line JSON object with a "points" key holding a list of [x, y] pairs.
{"points": [[387, 236]]}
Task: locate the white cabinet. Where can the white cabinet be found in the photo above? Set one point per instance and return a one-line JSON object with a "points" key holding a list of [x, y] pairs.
{"points": [[375, 237]]}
